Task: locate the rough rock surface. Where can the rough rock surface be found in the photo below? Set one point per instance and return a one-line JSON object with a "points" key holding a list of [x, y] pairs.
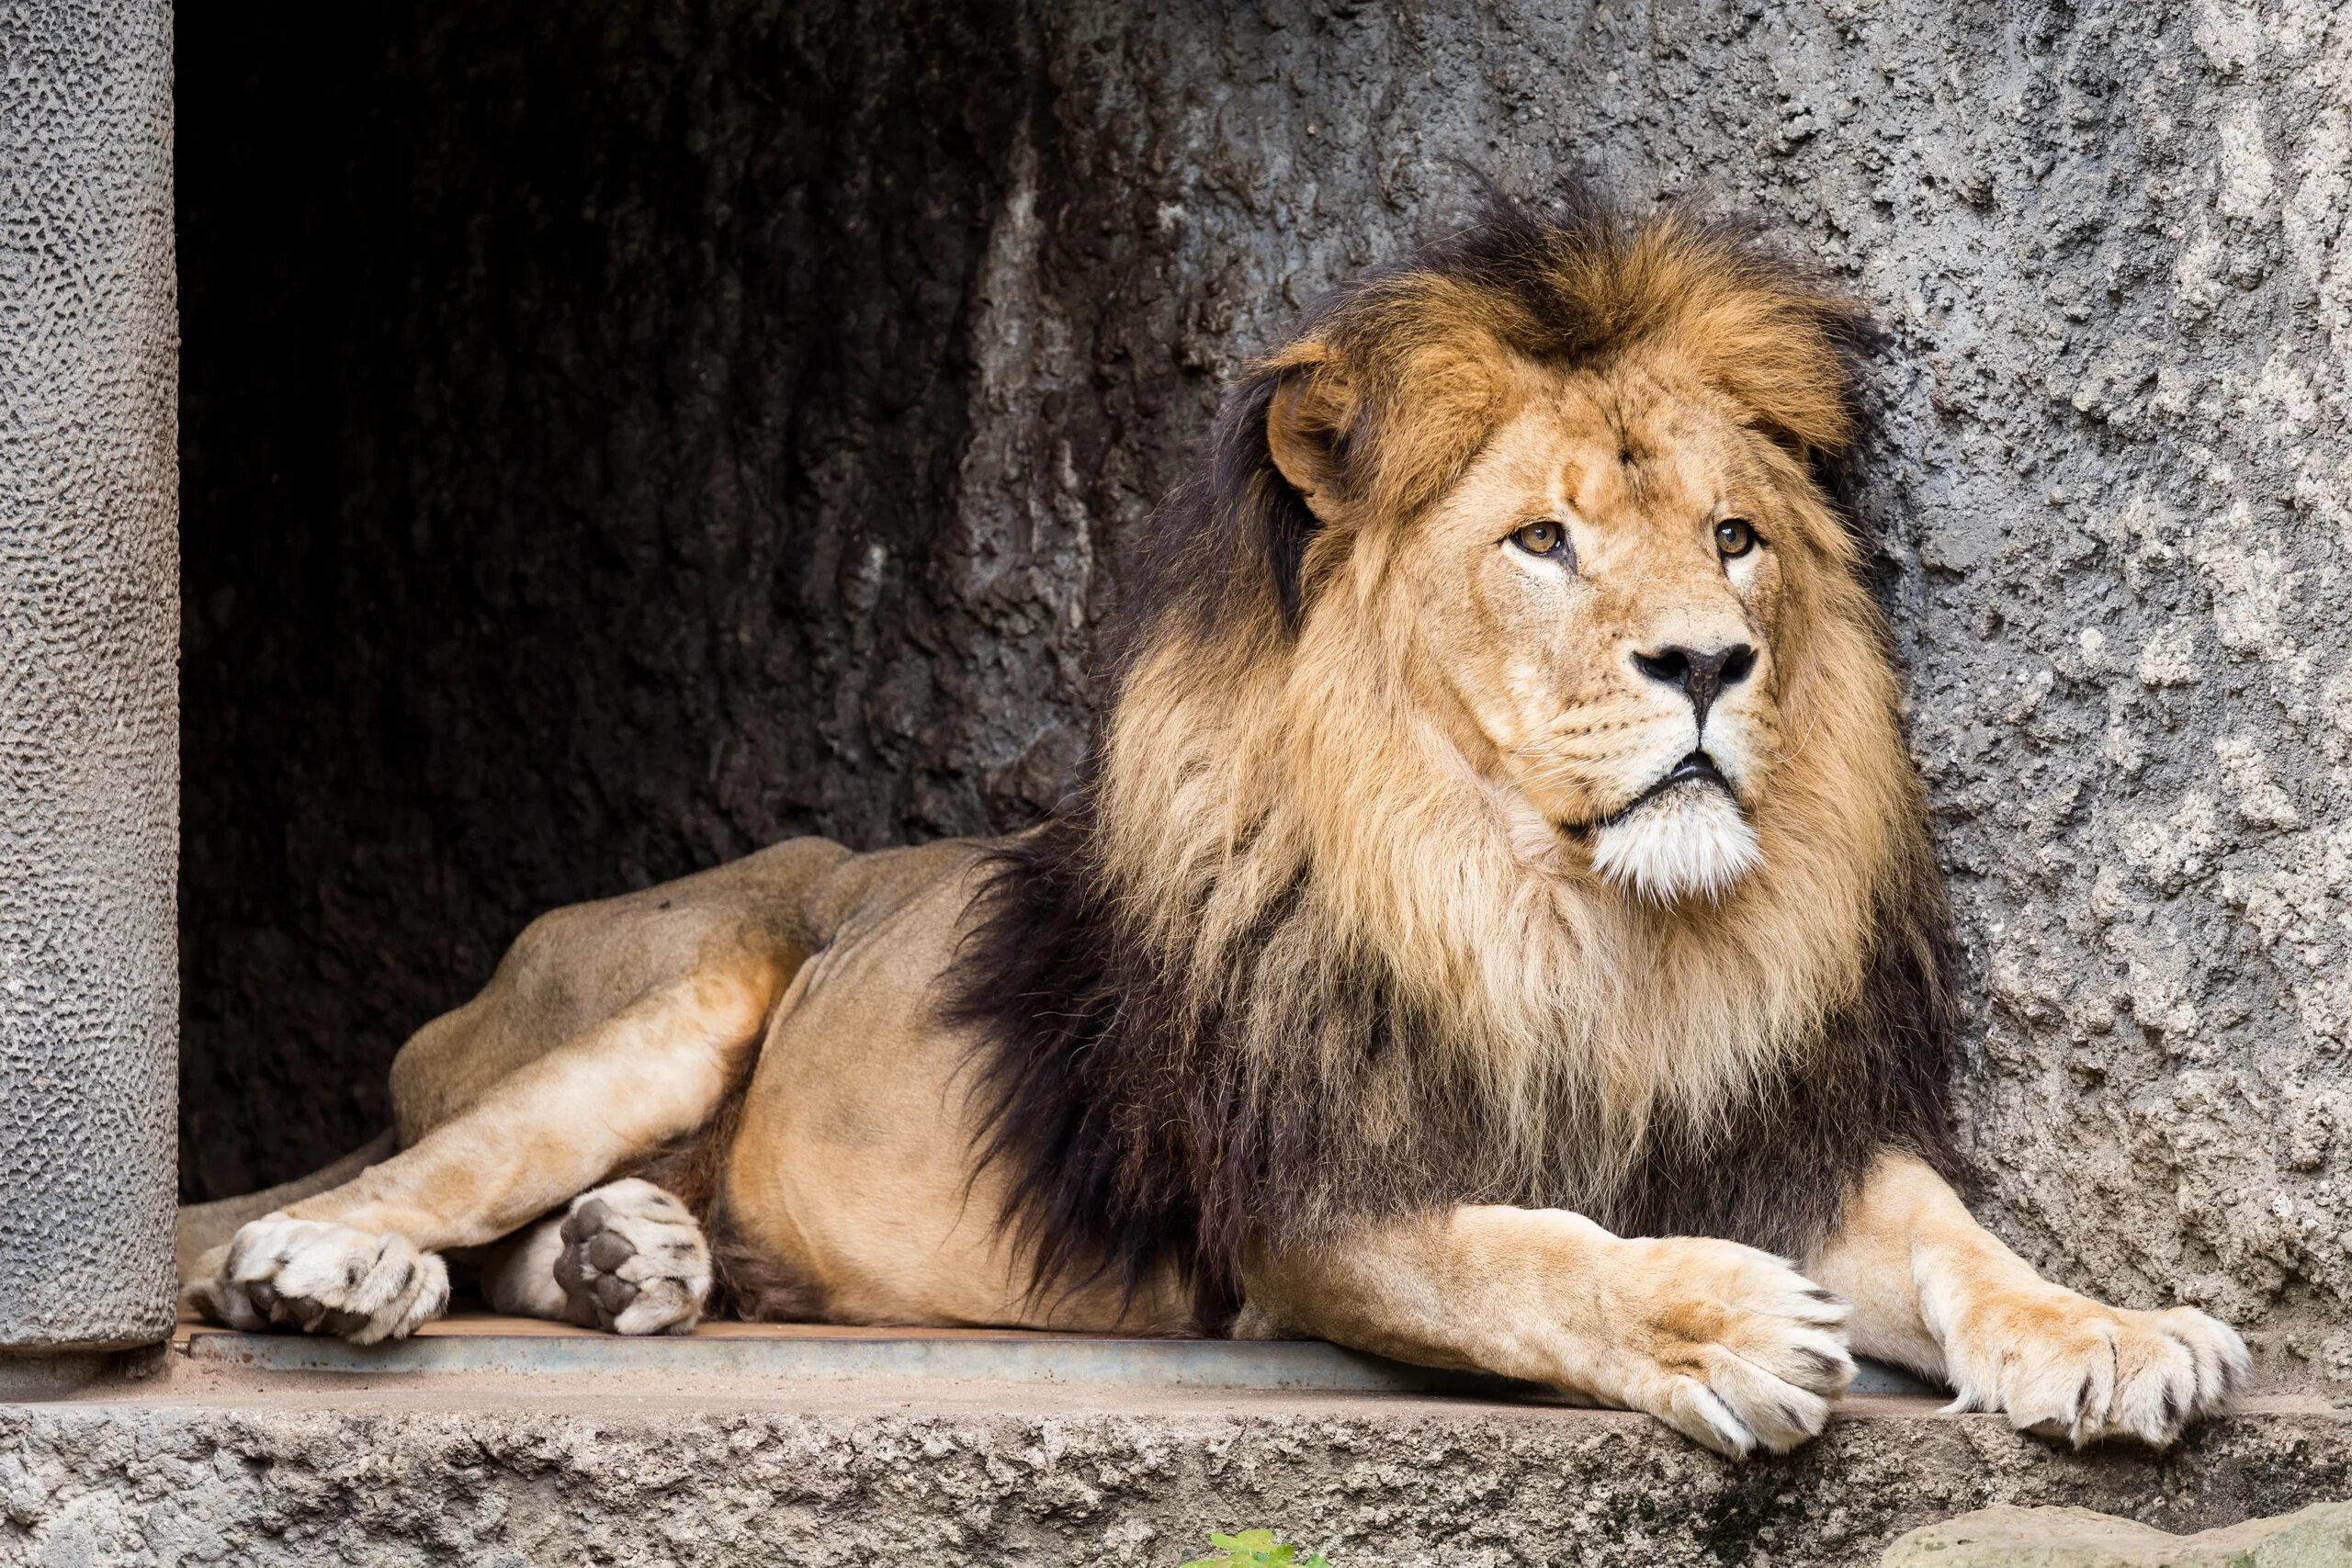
{"points": [[2005, 1536], [915, 1479], [89, 737], [720, 421]]}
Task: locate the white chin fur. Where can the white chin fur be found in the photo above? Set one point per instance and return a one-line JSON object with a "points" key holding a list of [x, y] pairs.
{"points": [[1690, 842]]}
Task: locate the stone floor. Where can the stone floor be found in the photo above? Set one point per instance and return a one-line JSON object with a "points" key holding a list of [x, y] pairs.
{"points": [[210, 1459]]}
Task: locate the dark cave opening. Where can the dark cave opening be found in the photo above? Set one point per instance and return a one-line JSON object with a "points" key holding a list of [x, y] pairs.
{"points": [[571, 413]]}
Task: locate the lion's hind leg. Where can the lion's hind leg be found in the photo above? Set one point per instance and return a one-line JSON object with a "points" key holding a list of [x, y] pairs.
{"points": [[626, 1258], [358, 1260]]}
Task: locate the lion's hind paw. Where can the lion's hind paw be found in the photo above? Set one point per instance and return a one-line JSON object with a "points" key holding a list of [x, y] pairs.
{"points": [[634, 1262]]}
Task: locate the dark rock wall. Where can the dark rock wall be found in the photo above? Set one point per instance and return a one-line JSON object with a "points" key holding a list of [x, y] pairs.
{"points": [[576, 414], [694, 431]]}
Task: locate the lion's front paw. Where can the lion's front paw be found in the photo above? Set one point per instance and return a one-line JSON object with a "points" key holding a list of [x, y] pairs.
{"points": [[634, 1262], [1728, 1346], [2064, 1364], [324, 1278]]}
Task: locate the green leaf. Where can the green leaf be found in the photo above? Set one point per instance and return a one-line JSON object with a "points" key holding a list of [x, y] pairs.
{"points": [[1255, 1549]]}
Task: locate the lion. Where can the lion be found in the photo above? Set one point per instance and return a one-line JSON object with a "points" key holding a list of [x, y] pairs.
{"points": [[1493, 927]]}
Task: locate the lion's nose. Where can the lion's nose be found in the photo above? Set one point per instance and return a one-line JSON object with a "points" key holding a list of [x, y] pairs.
{"points": [[1700, 674]]}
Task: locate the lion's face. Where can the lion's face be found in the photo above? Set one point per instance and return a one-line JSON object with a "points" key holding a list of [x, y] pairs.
{"points": [[1601, 595]]}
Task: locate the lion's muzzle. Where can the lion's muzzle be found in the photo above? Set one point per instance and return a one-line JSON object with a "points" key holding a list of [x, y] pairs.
{"points": [[1685, 836]]}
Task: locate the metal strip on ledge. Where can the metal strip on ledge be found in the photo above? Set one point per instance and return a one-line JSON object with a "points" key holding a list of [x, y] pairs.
{"points": [[835, 1355]]}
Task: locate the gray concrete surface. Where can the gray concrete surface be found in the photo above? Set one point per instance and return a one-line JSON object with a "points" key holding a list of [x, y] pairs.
{"points": [[749, 407], [89, 690], [208, 1467]]}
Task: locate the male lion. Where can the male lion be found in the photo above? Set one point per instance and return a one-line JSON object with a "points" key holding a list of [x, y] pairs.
{"points": [[1495, 928]]}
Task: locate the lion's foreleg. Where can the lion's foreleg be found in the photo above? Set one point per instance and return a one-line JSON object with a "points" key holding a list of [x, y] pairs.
{"points": [[1935, 1291], [1724, 1342], [361, 1259]]}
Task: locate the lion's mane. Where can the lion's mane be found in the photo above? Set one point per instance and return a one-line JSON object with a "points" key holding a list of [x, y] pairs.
{"points": [[1274, 967]]}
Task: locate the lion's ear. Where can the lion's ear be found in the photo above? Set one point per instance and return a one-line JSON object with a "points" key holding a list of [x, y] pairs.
{"points": [[1307, 420]]}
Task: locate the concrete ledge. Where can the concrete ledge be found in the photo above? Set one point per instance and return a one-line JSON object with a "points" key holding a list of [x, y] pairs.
{"points": [[479, 1343], [216, 1463]]}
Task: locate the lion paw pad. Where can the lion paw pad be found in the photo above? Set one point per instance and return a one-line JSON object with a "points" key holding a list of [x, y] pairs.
{"points": [[634, 1262]]}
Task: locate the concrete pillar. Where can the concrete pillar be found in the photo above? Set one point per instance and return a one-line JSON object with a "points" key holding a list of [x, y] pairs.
{"points": [[89, 700]]}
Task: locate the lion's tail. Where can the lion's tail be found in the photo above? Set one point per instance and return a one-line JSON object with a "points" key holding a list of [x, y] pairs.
{"points": [[203, 1226]]}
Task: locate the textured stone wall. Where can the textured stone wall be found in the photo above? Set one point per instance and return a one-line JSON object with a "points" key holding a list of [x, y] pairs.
{"points": [[743, 419], [89, 618], [512, 1477]]}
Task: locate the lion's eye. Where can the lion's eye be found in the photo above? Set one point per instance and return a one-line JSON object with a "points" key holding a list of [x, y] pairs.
{"points": [[1542, 539], [1733, 536]]}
